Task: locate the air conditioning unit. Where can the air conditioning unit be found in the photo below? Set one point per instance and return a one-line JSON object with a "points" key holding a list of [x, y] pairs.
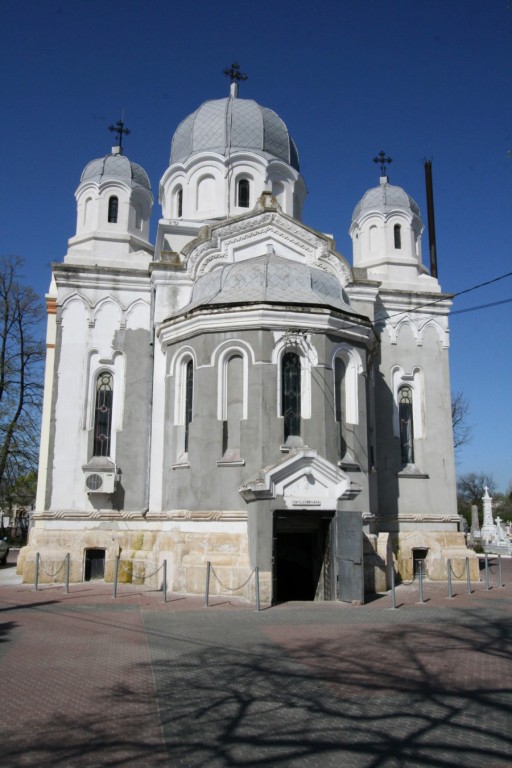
{"points": [[100, 482]]}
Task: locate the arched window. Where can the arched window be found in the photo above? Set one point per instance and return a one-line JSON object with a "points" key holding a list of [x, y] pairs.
{"points": [[113, 208], [234, 405], [290, 393], [339, 399], [88, 212], [405, 417], [103, 414], [243, 193], [139, 218], [398, 235], [189, 397], [177, 208]]}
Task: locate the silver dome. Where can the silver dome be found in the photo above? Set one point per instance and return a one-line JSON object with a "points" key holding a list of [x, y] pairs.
{"points": [[268, 279], [116, 168], [232, 123], [384, 199]]}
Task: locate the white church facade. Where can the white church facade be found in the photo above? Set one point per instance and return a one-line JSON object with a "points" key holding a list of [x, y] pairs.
{"points": [[238, 393]]}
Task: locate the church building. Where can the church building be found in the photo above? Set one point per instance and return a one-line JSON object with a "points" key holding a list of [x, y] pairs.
{"points": [[237, 393]]}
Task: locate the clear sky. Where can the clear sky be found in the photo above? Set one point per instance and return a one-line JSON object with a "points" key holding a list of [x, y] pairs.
{"points": [[417, 78]]}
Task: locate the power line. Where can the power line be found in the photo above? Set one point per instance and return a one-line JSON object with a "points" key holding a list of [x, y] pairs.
{"points": [[453, 295], [481, 306]]}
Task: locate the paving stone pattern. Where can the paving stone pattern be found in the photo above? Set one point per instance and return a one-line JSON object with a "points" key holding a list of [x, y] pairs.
{"points": [[92, 681]]}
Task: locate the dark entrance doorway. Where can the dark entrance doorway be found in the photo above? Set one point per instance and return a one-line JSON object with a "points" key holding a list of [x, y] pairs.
{"points": [[301, 566], [94, 564]]}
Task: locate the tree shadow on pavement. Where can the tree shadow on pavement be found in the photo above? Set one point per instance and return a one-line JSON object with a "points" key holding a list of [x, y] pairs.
{"points": [[383, 692]]}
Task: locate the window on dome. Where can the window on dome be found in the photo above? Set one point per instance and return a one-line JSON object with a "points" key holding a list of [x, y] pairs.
{"points": [[113, 207], [243, 193], [103, 414], [406, 424], [88, 212], [291, 393], [138, 216], [398, 235], [179, 203]]}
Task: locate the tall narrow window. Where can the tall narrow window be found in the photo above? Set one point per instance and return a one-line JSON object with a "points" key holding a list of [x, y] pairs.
{"points": [[103, 414], [189, 395], [139, 219], [339, 397], [290, 393], [234, 406], [113, 208], [398, 235], [406, 424], [179, 203], [243, 193]]}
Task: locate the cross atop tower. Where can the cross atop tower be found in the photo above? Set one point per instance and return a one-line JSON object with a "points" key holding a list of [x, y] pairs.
{"points": [[120, 130], [236, 77], [383, 161]]}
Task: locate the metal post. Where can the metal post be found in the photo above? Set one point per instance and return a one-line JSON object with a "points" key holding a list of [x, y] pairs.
{"points": [[165, 581], [36, 579], [393, 595], [420, 566], [487, 571], [116, 572], [450, 593], [500, 575], [207, 583], [67, 572], [257, 574], [468, 575]]}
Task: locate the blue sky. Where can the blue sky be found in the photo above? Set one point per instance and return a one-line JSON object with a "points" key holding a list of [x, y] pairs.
{"points": [[417, 78]]}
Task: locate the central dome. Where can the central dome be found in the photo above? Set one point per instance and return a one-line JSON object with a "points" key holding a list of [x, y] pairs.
{"points": [[227, 124]]}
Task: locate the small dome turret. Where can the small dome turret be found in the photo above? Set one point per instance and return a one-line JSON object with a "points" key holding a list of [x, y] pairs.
{"points": [[116, 167], [114, 202], [386, 234]]}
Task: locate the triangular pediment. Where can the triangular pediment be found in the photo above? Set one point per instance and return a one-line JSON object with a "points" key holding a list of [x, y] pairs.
{"points": [[303, 479], [257, 233]]}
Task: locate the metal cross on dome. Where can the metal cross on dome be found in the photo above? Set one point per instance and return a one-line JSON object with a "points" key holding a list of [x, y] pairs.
{"points": [[234, 73], [120, 130], [383, 161]]}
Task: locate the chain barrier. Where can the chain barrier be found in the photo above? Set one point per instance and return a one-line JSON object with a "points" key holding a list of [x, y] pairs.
{"points": [[150, 575], [52, 575], [457, 576], [232, 589]]}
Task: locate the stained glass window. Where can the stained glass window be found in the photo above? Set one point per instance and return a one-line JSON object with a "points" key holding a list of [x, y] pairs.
{"points": [[103, 414], [406, 424]]}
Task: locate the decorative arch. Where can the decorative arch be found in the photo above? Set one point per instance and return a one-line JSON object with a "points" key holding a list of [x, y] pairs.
{"points": [[300, 343], [184, 383], [415, 381], [205, 193], [116, 367], [223, 359], [353, 368]]}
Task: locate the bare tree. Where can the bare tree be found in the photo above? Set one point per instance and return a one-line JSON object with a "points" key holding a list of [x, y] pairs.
{"points": [[21, 373], [461, 429], [471, 486]]}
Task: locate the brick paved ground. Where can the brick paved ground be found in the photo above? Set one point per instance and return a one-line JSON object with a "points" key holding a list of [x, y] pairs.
{"points": [[92, 681]]}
